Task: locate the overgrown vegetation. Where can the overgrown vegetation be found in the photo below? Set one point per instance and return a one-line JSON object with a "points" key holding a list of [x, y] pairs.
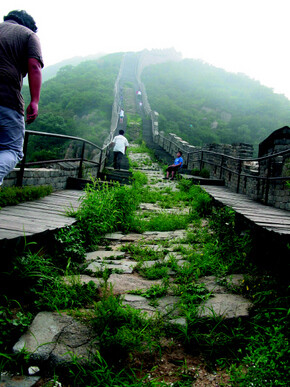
{"points": [[252, 352], [10, 196]]}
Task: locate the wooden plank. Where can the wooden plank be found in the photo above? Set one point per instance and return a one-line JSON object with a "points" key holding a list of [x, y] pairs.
{"points": [[32, 229], [270, 218], [27, 210], [48, 207], [11, 224], [38, 216], [9, 234], [57, 220]]}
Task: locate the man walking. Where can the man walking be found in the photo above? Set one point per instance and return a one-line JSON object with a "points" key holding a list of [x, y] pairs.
{"points": [[20, 53], [120, 147]]}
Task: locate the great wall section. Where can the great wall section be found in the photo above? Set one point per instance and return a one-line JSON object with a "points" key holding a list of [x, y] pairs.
{"points": [[57, 339], [262, 178]]}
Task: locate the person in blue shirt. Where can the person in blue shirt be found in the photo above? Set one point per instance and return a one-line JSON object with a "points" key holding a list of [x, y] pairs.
{"points": [[178, 162]]}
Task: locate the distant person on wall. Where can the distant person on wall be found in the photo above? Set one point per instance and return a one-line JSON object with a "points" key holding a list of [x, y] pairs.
{"points": [[122, 114], [20, 53], [178, 162], [120, 144]]}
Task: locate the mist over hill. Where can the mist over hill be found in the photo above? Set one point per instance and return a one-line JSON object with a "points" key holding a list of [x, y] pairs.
{"points": [[51, 71], [197, 101], [205, 104], [76, 102]]}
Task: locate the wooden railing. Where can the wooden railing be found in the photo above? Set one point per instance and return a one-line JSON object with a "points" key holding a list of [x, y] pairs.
{"points": [[102, 155]]}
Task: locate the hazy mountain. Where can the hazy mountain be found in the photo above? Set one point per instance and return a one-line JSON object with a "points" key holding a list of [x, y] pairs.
{"points": [[205, 104], [51, 71]]}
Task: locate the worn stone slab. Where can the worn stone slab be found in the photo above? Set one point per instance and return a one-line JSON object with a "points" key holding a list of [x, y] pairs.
{"points": [[226, 306], [140, 303], [104, 254], [124, 265], [156, 248], [132, 237], [168, 305], [178, 321], [54, 337], [211, 284], [123, 283], [173, 255], [234, 280], [149, 207], [115, 236], [18, 381], [147, 264], [231, 281], [164, 235], [186, 246]]}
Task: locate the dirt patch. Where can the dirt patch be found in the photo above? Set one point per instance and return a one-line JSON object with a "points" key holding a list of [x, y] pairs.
{"points": [[176, 365]]}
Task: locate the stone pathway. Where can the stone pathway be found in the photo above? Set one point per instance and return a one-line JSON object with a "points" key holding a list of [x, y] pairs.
{"points": [[55, 337]]}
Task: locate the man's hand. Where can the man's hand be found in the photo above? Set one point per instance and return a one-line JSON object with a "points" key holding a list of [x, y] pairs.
{"points": [[31, 112]]}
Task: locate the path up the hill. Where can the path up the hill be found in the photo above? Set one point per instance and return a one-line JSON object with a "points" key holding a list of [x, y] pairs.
{"points": [[118, 255]]}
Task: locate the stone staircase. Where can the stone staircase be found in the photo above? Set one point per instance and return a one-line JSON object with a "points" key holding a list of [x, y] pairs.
{"points": [[53, 337]]}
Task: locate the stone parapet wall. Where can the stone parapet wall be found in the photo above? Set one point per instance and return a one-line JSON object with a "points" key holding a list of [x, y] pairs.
{"points": [[116, 106], [56, 177], [226, 167]]}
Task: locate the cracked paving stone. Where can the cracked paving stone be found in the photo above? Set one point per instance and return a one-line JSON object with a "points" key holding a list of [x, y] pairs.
{"points": [[55, 338], [123, 283], [124, 265], [104, 254], [18, 381], [226, 306]]}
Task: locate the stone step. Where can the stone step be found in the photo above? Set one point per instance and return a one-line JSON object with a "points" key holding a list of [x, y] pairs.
{"points": [[80, 184], [203, 180]]}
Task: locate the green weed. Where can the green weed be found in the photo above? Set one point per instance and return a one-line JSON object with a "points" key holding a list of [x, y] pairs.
{"points": [[166, 222], [120, 329], [157, 271], [105, 209], [10, 196]]}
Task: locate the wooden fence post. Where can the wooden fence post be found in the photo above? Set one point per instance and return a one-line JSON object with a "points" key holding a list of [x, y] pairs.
{"points": [[221, 166], [100, 161], [80, 174], [239, 175], [201, 160], [267, 180]]}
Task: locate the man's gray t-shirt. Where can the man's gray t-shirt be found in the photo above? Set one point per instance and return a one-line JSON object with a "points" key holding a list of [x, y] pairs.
{"points": [[17, 44]]}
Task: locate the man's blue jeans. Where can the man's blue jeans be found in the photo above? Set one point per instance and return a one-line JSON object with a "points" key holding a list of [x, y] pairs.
{"points": [[12, 128]]}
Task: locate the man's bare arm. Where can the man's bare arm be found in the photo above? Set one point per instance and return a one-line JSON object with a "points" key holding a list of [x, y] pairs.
{"points": [[34, 80]]}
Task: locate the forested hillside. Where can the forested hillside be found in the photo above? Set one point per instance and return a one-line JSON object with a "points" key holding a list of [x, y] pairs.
{"points": [[205, 104], [77, 102]]}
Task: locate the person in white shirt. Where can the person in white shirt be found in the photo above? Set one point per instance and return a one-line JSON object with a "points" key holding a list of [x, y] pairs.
{"points": [[120, 144], [122, 114]]}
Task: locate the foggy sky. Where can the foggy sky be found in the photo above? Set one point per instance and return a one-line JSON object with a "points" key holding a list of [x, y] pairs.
{"points": [[248, 36]]}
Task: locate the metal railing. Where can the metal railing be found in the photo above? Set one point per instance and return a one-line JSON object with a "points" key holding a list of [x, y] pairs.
{"points": [[222, 163], [81, 159]]}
